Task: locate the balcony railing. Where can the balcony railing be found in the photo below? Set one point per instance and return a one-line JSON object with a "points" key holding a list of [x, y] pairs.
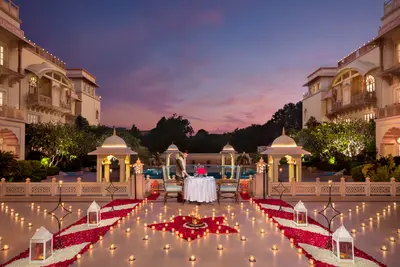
{"points": [[363, 99], [11, 112], [389, 111], [65, 104], [356, 54], [10, 8], [306, 94], [39, 99], [46, 55]]}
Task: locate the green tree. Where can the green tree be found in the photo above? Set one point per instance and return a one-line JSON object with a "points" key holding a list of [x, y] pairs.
{"points": [[135, 132], [81, 123], [312, 122], [57, 141], [7, 161], [175, 129], [343, 140]]}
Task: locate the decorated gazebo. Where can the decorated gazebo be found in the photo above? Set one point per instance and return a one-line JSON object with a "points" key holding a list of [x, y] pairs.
{"points": [[284, 146], [113, 147], [171, 150], [228, 152]]}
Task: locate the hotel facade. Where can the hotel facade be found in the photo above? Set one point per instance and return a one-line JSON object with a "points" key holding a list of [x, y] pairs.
{"points": [[365, 84], [36, 86]]}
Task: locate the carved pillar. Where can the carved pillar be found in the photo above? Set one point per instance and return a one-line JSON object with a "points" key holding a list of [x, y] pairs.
{"points": [[106, 170], [168, 163], [127, 167], [232, 165], [270, 167], [298, 169], [20, 58], [99, 166], [275, 170], [290, 162], [122, 169], [222, 165]]}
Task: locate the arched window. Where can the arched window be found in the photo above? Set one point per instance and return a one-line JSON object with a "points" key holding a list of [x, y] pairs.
{"points": [[32, 85], [370, 83]]}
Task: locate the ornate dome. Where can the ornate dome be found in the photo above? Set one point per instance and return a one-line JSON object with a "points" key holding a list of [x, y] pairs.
{"points": [[172, 147], [228, 147], [284, 141], [114, 141]]}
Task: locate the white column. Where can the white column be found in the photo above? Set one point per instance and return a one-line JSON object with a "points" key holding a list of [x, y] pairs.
{"points": [[107, 171], [122, 170], [291, 171], [127, 168], [99, 170], [232, 166], [275, 169], [270, 167], [168, 163], [298, 169], [222, 165]]}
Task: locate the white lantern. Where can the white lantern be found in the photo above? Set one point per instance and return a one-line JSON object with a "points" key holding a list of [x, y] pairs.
{"points": [[41, 246], [343, 245], [93, 214], [300, 214]]}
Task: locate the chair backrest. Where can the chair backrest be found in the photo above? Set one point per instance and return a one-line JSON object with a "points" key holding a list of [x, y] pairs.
{"points": [[164, 173], [237, 173]]}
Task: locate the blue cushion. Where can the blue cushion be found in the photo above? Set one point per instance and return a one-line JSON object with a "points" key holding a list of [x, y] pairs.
{"points": [[228, 188], [173, 188]]}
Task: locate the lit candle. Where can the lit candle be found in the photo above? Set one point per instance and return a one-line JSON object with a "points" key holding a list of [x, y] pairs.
{"points": [[282, 231], [243, 238], [131, 258], [371, 219], [384, 248], [392, 239], [252, 259], [29, 224], [253, 219], [60, 183], [274, 247], [363, 225], [78, 256], [262, 231], [128, 230], [353, 231], [192, 258], [311, 262], [166, 247], [22, 219], [220, 247], [146, 237], [112, 247], [299, 250], [5, 247], [91, 246]]}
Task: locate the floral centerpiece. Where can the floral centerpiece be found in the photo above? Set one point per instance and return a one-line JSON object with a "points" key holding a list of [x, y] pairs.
{"points": [[201, 171]]}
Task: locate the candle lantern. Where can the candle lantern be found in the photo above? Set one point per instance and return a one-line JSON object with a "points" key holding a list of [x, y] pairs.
{"points": [[300, 214], [138, 166], [93, 214], [41, 246], [244, 187], [261, 165], [154, 187], [343, 245]]}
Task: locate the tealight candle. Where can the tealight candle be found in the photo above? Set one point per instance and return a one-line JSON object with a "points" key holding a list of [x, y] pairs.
{"points": [[262, 231], [371, 219], [91, 246], [353, 231], [311, 262], [392, 239], [5, 247], [282, 231], [22, 219], [29, 224], [166, 247], [128, 230], [243, 238], [131, 258], [363, 225], [247, 210], [146, 237], [299, 250], [384, 248], [253, 219], [252, 259], [78, 256], [220, 247], [192, 258], [112, 247], [274, 247]]}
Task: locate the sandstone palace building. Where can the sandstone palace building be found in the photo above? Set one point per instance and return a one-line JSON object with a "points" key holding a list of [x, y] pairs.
{"points": [[365, 84], [36, 86]]}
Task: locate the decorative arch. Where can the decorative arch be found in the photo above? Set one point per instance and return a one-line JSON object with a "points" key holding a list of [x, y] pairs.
{"points": [[9, 142], [390, 143], [45, 69]]}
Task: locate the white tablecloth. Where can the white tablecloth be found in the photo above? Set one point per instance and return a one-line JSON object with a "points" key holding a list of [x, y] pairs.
{"points": [[200, 189]]}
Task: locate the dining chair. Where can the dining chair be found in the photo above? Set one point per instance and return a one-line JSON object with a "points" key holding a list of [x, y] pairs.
{"points": [[171, 187], [230, 188]]}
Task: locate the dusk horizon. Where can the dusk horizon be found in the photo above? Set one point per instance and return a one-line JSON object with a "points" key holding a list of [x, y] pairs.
{"points": [[221, 64]]}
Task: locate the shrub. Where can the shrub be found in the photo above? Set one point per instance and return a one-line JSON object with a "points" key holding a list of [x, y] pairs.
{"points": [[7, 162], [357, 174], [72, 166], [23, 169], [53, 170]]}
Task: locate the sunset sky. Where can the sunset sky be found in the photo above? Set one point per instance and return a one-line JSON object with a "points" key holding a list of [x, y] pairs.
{"points": [[222, 64]]}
